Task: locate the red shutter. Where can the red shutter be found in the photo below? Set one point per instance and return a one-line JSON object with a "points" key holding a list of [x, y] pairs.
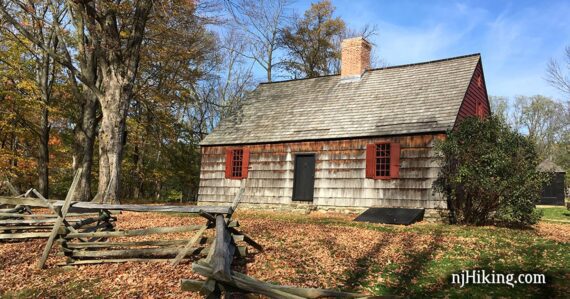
{"points": [[394, 160], [228, 163], [370, 157], [245, 163]]}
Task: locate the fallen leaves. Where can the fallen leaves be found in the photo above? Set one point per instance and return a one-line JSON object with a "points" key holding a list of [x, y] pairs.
{"points": [[317, 250]]}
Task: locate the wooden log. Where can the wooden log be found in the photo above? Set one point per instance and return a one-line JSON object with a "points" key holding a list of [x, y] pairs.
{"points": [[33, 202], [244, 282], [72, 262], [238, 196], [50, 221], [208, 216], [144, 208], [190, 285], [60, 219], [87, 221], [28, 227], [35, 235], [316, 293], [69, 215], [83, 211], [18, 210], [223, 251], [211, 252], [163, 252], [120, 256], [184, 251], [247, 239], [238, 238], [242, 251], [101, 227], [136, 232], [84, 245]]}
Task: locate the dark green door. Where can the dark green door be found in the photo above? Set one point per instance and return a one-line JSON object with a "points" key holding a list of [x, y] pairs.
{"points": [[304, 180]]}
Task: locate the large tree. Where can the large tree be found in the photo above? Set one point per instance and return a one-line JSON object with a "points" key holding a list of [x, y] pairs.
{"points": [[161, 154], [313, 42], [115, 31]]}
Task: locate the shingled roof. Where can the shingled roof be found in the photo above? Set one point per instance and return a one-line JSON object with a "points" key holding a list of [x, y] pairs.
{"points": [[415, 98]]}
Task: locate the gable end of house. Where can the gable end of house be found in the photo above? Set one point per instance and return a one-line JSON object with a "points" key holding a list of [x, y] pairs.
{"points": [[476, 100]]}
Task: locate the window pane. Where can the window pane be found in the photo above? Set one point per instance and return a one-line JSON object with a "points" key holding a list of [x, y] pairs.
{"points": [[382, 160], [237, 161]]}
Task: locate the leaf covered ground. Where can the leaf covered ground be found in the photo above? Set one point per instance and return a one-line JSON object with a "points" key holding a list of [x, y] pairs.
{"points": [[317, 250]]}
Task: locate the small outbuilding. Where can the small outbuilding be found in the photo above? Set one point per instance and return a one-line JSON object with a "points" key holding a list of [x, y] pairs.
{"points": [[553, 191], [362, 138]]}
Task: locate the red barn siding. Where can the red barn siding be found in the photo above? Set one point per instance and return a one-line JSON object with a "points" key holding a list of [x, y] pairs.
{"points": [[475, 93], [340, 178]]}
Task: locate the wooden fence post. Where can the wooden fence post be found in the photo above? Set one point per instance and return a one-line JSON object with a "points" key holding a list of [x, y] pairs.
{"points": [[239, 195], [189, 245], [60, 217], [223, 251]]}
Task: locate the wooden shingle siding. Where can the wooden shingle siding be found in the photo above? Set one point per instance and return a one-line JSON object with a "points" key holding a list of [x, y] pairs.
{"points": [[339, 174], [476, 92]]}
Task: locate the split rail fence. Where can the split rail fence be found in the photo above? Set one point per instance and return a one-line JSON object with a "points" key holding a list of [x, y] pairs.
{"points": [[91, 237], [87, 234]]}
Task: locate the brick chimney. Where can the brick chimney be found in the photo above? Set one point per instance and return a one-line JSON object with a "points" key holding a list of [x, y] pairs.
{"points": [[355, 57]]}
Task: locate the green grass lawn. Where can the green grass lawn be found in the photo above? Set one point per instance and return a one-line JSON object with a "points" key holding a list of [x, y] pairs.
{"points": [[426, 272], [555, 213]]}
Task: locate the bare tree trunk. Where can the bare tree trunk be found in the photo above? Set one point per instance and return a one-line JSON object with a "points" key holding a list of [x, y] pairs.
{"points": [[114, 106], [14, 162], [45, 77], [85, 134], [43, 153], [137, 180]]}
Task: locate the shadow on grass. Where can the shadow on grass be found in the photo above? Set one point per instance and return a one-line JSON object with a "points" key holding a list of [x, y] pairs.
{"points": [[534, 261], [365, 263], [417, 262], [520, 258]]}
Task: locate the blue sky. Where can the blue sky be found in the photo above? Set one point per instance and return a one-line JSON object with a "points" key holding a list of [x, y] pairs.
{"points": [[515, 38]]}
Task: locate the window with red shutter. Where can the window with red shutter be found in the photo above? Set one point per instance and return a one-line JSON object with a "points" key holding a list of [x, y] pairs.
{"points": [[383, 160], [237, 163]]}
